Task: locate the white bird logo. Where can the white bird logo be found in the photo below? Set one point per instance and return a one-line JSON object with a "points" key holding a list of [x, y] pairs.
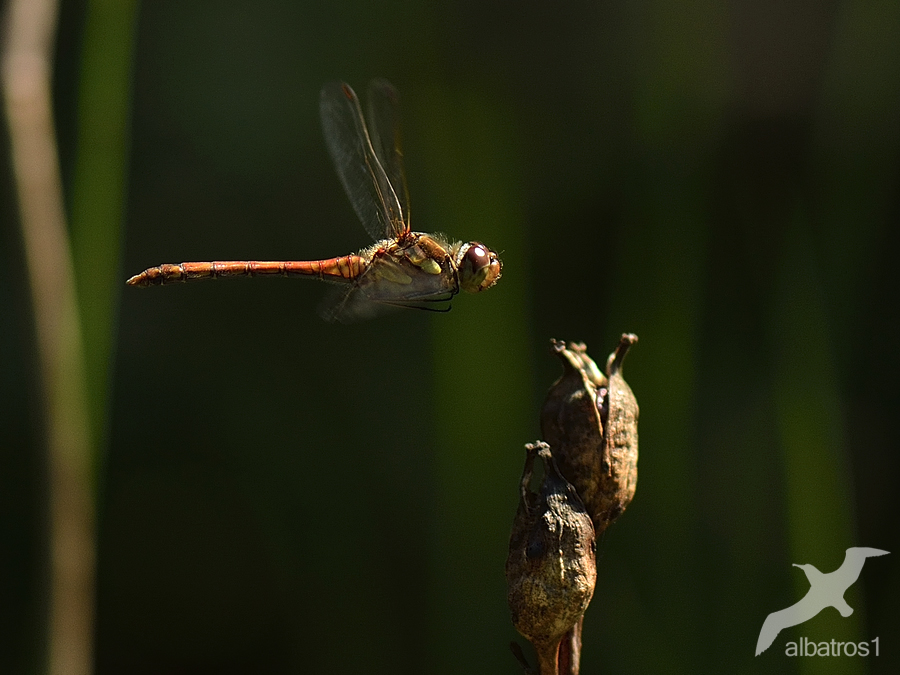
{"points": [[825, 590]]}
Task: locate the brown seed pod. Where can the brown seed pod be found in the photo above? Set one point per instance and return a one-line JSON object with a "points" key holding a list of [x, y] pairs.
{"points": [[620, 453], [551, 568], [590, 421]]}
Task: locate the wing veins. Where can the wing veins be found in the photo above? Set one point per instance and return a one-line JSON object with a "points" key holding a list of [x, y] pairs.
{"points": [[368, 184]]}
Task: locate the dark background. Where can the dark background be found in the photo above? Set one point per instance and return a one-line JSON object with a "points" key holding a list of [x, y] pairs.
{"points": [[282, 495]]}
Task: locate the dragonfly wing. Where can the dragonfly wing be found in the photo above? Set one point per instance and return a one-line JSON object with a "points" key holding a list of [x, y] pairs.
{"points": [[352, 305], [349, 305], [390, 282], [384, 129], [364, 178]]}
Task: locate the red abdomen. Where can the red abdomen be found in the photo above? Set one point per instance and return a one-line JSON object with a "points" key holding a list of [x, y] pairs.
{"points": [[344, 268]]}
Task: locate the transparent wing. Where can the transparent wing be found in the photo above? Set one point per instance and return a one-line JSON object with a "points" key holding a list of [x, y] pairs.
{"points": [[349, 305], [384, 127], [361, 172], [391, 281]]}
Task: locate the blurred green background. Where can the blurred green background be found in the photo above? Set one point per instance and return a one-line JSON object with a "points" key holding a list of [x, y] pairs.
{"points": [[281, 495]]}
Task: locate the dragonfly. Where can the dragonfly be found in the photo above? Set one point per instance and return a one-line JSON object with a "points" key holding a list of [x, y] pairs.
{"points": [[403, 268]]}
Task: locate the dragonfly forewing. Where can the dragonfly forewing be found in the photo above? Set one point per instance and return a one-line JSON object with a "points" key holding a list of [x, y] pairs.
{"points": [[364, 178], [384, 129]]}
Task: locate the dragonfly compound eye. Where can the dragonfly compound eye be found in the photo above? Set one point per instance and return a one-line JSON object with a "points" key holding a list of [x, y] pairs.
{"points": [[479, 268]]}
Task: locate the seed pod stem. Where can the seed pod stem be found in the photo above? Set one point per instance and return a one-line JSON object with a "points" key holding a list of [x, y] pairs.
{"points": [[569, 658]]}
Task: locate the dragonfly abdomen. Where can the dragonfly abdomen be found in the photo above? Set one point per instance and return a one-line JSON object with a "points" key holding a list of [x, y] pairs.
{"points": [[346, 267]]}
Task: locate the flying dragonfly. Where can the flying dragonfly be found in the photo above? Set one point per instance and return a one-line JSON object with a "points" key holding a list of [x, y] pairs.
{"points": [[403, 268]]}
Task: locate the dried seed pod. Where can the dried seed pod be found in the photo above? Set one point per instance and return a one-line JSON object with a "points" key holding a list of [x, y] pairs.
{"points": [[551, 568], [571, 424], [620, 418], [590, 421]]}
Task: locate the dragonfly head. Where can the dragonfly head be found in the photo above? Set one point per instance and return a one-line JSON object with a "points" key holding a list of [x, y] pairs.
{"points": [[479, 267]]}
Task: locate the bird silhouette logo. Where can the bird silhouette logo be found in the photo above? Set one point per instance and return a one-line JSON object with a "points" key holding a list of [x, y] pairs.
{"points": [[825, 590]]}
